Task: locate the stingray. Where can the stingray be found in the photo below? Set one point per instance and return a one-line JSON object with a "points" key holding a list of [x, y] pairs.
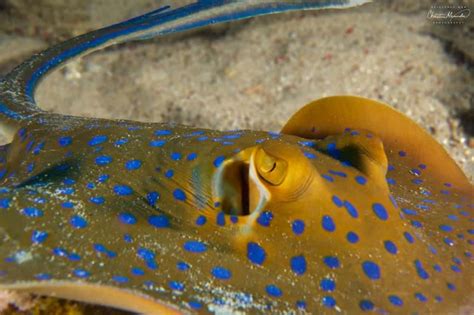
{"points": [[351, 208]]}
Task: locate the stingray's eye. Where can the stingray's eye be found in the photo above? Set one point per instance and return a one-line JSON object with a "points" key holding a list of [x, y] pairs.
{"points": [[272, 169]]}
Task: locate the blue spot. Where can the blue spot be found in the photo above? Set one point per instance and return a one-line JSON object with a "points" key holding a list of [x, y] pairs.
{"points": [[395, 300], [380, 211], [78, 222], [39, 236], [338, 173], [179, 195], [157, 143], [445, 228], [97, 140], [232, 136], [221, 273], [123, 190], [100, 248], [408, 237], [67, 205], [338, 202], [191, 156], [127, 238], [332, 150], [152, 197], [391, 181], [371, 269], [309, 155], [366, 305], [195, 247], [169, 173], [120, 279], [416, 224], [390, 247], [5, 203], [195, 305], [298, 227], [352, 237], [98, 200], [327, 285], [30, 167], [351, 209], [61, 252], [38, 148], [163, 132], [255, 253], [81, 273], [148, 257], [181, 265], [402, 153], [127, 218], [65, 141], [103, 178], [438, 298], [32, 212], [159, 221], [220, 219], [420, 297], [137, 271], [176, 156], [146, 254], [301, 305], [451, 286], [273, 290], [361, 180], [201, 220], [455, 268], [218, 161], [176, 285], [133, 165], [265, 218], [65, 190], [43, 276], [419, 269], [327, 178], [409, 211], [331, 261], [328, 223], [121, 141], [328, 301], [298, 264]]}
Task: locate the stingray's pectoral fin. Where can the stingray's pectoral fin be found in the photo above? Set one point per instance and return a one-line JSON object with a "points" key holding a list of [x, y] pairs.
{"points": [[333, 115]]}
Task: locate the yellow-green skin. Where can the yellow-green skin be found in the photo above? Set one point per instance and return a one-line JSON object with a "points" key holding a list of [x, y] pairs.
{"points": [[249, 253]]}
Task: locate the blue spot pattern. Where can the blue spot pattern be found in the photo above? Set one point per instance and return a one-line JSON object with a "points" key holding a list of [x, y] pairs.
{"points": [[298, 264], [255, 253], [371, 270]]}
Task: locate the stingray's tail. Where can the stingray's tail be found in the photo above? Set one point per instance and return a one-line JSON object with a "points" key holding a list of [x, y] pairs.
{"points": [[17, 103]]}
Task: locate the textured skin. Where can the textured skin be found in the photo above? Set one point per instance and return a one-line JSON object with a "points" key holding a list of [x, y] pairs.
{"points": [[100, 221]]}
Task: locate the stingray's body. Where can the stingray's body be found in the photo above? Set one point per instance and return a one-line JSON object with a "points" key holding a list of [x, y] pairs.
{"points": [[352, 208]]}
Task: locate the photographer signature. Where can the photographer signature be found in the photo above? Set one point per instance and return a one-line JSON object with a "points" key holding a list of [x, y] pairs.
{"points": [[448, 13]]}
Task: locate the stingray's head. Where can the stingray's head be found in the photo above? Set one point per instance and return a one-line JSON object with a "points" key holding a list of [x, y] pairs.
{"points": [[284, 194], [273, 172]]}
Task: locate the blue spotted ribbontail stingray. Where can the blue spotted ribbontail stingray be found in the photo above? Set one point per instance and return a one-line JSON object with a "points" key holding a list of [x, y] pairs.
{"points": [[352, 208]]}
